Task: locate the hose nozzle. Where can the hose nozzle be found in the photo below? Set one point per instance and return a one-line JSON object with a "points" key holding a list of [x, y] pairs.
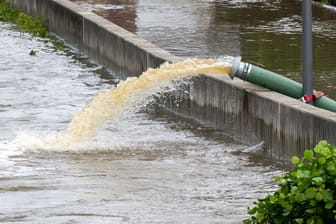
{"points": [[239, 69]]}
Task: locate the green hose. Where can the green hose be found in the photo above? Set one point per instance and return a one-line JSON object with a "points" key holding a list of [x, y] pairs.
{"points": [[275, 82]]}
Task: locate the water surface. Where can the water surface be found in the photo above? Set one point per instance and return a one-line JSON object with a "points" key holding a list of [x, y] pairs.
{"points": [[141, 168], [261, 31]]}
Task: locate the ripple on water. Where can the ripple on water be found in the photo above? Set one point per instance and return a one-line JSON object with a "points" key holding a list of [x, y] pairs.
{"points": [[141, 168]]}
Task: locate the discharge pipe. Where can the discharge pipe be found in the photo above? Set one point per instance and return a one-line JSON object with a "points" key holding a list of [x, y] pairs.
{"points": [[278, 83]]}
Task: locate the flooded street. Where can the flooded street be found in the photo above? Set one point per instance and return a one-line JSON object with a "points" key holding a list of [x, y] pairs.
{"points": [[261, 31], [143, 167]]}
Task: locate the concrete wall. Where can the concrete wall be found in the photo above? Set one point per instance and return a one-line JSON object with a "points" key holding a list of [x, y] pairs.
{"points": [[101, 40], [253, 114], [242, 110]]}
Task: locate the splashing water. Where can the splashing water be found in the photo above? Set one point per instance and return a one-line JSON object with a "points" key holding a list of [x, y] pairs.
{"points": [[109, 104]]}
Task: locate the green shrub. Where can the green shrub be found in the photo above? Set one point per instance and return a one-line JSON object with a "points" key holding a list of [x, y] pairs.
{"points": [[32, 25], [28, 24], [7, 13], [305, 195], [24, 22]]}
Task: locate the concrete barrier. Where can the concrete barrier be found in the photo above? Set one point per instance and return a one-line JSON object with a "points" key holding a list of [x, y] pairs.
{"points": [[99, 39], [242, 110], [253, 114]]}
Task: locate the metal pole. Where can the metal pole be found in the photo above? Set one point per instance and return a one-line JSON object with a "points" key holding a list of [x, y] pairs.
{"points": [[307, 53]]}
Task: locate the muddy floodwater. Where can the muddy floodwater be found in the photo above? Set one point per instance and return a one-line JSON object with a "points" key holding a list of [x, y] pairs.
{"points": [[144, 167], [264, 32]]}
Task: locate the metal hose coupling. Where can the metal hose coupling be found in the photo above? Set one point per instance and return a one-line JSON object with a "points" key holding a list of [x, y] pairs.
{"points": [[239, 69]]}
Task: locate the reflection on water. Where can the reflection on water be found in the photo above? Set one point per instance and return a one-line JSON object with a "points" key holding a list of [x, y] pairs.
{"points": [[265, 32], [141, 168], [121, 12]]}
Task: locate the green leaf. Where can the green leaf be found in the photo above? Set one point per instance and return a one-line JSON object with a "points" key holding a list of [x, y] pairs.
{"points": [[319, 221], [313, 202], [311, 221], [310, 193], [318, 148], [306, 173], [252, 211], [277, 179], [299, 221], [317, 180], [311, 210], [323, 143], [288, 207], [322, 160], [260, 217], [299, 174], [300, 197], [329, 205], [331, 166], [308, 154], [247, 221], [287, 213], [325, 151], [303, 174], [319, 196], [327, 196], [295, 160]]}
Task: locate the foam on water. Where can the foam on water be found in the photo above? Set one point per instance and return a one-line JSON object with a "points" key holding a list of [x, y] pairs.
{"points": [[109, 104]]}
